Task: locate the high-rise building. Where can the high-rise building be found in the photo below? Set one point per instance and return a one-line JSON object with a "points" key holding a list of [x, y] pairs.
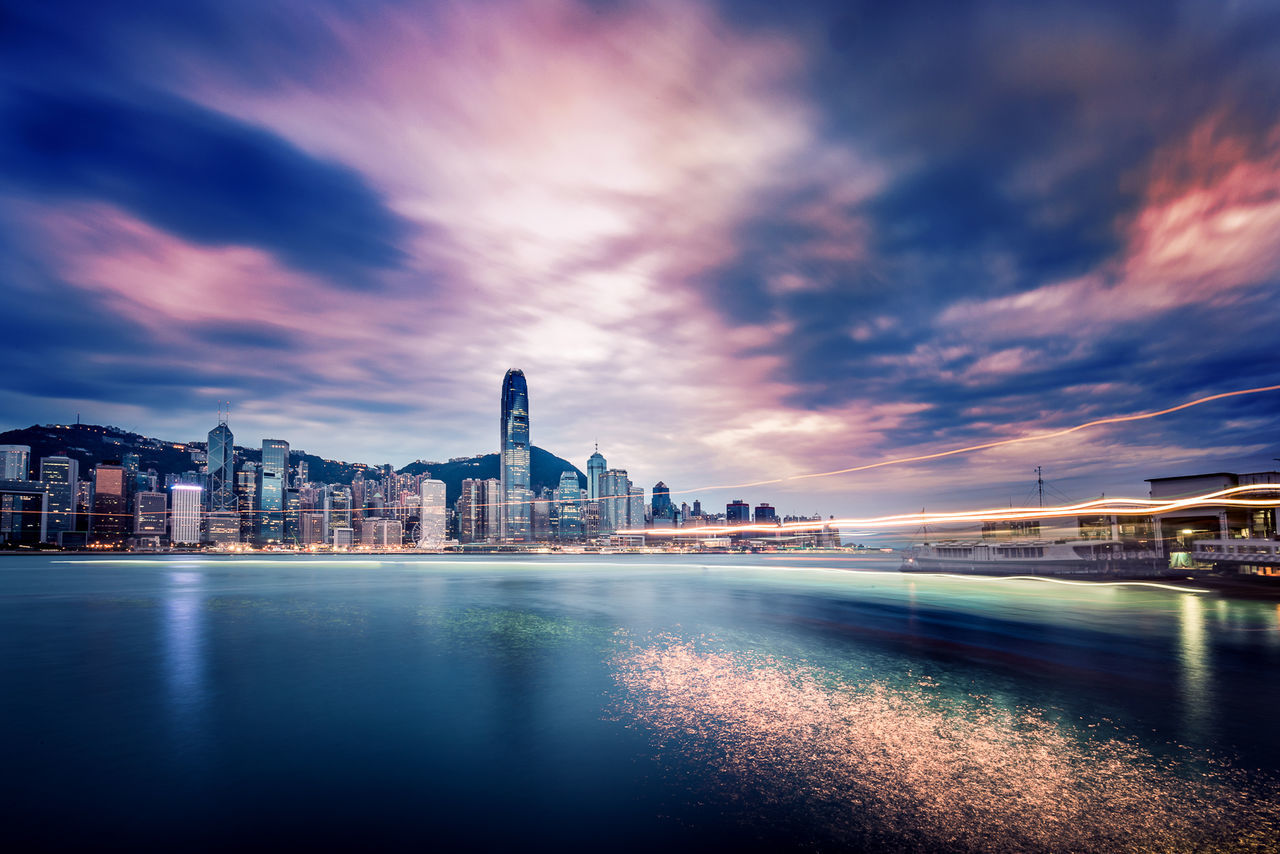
{"points": [[221, 492], [514, 509], [149, 511], [766, 514], [635, 507], [110, 512], [24, 512], [595, 469], [432, 514], [570, 518], [303, 474], [737, 512], [662, 508], [61, 475], [615, 493], [337, 512], [184, 521], [292, 517], [15, 462], [470, 510], [247, 500], [275, 474]]}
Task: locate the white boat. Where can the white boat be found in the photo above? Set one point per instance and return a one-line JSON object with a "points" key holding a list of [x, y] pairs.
{"points": [[1034, 557]]}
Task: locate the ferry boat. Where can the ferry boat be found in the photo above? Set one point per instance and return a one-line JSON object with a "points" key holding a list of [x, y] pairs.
{"points": [[1080, 557]]}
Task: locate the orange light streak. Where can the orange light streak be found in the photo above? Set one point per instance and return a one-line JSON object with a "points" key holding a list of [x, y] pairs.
{"points": [[1098, 506]]}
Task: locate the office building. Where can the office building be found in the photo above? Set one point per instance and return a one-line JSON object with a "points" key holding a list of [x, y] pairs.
{"points": [[110, 519], [615, 493], [766, 514], [337, 512], [150, 510], [596, 467], [61, 477], [635, 507], [569, 521], [432, 514], [24, 512], [662, 508], [271, 489], [15, 462], [737, 512], [514, 510], [184, 520]]}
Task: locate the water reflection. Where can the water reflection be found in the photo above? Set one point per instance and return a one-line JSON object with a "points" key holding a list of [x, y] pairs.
{"points": [[906, 767], [1194, 676], [184, 657]]}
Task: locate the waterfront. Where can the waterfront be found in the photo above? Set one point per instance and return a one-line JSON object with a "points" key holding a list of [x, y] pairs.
{"points": [[632, 701]]}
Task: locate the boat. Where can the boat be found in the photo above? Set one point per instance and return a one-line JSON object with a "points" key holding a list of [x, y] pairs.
{"points": [[1078, 557]]}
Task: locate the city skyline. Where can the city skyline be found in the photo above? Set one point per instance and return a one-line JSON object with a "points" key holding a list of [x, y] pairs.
{"points": [[731, 242]]}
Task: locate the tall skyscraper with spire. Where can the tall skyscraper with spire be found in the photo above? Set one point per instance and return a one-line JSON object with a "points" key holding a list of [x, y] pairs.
{"points": [[514, 512], [224, 505], [595, 470]]}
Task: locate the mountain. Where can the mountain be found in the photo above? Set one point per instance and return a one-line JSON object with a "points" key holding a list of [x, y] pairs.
{"points": [[95, 443], [545, 469]]}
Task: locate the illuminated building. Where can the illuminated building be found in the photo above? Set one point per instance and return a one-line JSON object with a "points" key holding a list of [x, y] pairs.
{"points": [[61, 476], [514, 510], [662, 508], [615, 492], [737, 512], [15, 462], [543, 514], [275, 474], [1218, 533], [24, 512], [149, 510], [109, 521], [595, 470], [337, 513], [569, 523], [292, 517], [472, 511], [247, 500], [221, 481], [765, 514], [382, 533], [432, 515], [184, 521], [635, 506]]}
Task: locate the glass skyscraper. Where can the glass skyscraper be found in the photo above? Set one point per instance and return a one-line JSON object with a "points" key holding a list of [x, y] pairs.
{"points": [[275, 474], [62, 477], [222, 476], [570, 520], [595, 470], [514, 510]]}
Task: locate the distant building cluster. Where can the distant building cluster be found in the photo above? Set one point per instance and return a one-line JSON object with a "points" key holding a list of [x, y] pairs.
{"points": [[226, 502]]}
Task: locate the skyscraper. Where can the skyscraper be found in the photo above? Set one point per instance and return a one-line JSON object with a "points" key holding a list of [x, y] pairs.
{"points": [[110, 512], [615, 493], [514, 506], [224, 506], [149, 510], [635, 506], [62, 476], [15, 462], [184, 522], [275, 474], [570, 520], [432, 515], [662, 508], [595, 468], [737, 512]]}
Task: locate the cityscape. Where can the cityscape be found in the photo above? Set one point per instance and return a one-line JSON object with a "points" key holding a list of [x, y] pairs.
{"points": [[228, 503], [888, 407]]}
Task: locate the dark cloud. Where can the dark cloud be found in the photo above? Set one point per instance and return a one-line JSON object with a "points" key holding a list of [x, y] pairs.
{"points": [[200, 175]]}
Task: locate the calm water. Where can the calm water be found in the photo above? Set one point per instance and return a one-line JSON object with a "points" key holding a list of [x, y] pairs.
{"points": [[630, 702]]}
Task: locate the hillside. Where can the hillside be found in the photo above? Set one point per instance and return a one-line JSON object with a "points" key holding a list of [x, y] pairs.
{"points": [[544, 470], [94, 443]]}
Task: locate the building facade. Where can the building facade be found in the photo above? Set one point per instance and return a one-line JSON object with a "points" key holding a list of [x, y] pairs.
{"points": [[61, 476], [433, 514], [514, 510], [275, 476], [184, 520]]}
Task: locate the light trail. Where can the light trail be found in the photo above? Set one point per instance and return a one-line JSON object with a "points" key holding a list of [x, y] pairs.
{"points": [[1047, 580], [1038, 437], [1099, 506]]}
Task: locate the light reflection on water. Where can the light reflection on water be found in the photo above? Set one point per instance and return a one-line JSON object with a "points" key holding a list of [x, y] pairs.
{"points": [[184, 653], [907, 767]]}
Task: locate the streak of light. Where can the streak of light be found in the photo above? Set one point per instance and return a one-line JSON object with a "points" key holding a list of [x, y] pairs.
{"points": [[1037, 437], [1047, 580], [1097, 506]]}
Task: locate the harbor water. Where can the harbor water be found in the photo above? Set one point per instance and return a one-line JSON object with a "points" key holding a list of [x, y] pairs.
{"points": [[770, 702]]}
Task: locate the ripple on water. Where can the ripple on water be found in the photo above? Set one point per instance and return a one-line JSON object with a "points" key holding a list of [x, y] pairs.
{"points": [[898, 768]]}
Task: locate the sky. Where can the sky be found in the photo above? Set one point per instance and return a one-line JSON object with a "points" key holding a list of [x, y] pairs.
{"points": [[728, 242]]}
